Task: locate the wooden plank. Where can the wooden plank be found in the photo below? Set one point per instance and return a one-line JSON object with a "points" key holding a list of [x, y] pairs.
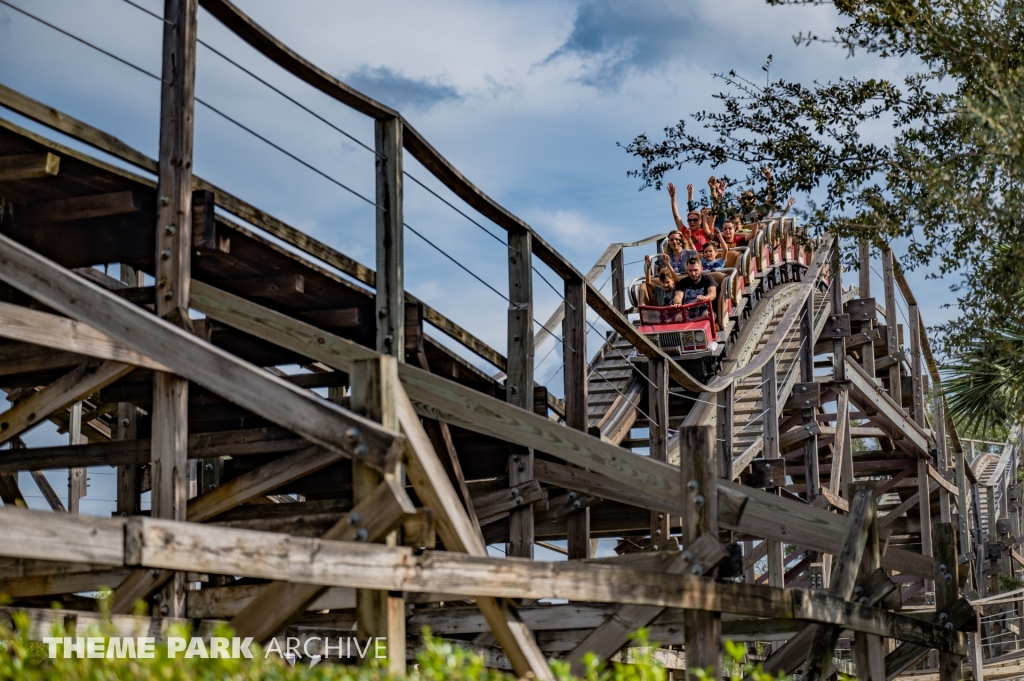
{"points": [[657, 417], [619, 281], [925, 511], [29, 166], [916, 368], [379, 613], [73, 386], [78, 485], [947, 592], [42, 328], [892, 320], [81, 207], [316, 419], [520, 379], [280, 285], [165, 544], [910, 503], [388, 132], [62, 537], [574, 372], [173, 275], [699, 475], [47, 491]]}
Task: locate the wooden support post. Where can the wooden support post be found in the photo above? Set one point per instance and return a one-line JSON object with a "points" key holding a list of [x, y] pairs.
{"points": [[519, 381], [812, 475], [77, 477], [892, 320], [770, 407], [726, 405], [947, 592], [619, 282], [388, 134], [379, 613], [925, 509], [574, 354], [657, 412], [700, 479], [864, 285], [962, 505], [838, 344], [129, 476], [941, 459], [916, 371], [173, 275], [868, 651]]}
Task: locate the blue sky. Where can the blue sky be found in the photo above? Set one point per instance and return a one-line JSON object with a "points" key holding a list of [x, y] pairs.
{"points": [[528, 99]]}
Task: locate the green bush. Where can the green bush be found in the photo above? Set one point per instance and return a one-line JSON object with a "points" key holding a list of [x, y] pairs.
{"points": [[23, 659]]}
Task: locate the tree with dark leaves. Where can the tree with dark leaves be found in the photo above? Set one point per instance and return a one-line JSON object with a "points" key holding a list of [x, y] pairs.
{"points": [[949, 182]]}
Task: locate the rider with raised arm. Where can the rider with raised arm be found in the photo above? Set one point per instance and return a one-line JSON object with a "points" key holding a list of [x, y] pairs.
{"points": [[693, 228]]}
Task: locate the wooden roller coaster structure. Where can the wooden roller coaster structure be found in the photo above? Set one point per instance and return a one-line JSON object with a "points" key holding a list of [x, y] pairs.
{"points": [[810, 498]]}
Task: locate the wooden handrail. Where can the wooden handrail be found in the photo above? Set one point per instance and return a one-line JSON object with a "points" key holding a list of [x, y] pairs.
{"points": [[61, 122]]}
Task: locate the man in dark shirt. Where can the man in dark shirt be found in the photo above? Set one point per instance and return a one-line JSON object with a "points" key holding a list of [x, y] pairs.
{"points": [[696, 287]]}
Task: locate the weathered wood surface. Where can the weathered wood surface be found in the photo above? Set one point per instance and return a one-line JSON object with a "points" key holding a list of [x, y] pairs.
{"points": [[165, 544], [262, 393], [73, 386]]}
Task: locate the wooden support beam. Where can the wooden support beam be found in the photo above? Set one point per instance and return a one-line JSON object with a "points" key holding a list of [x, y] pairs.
{"points": [[173, 275], [699, 475], [868, 650], [47, 491], [925, 511], [812, 474], [78, 482], [916, 364], [388, 134], [519, 380], [657, 416], [29, 166], [619, 282], [279, 603], [62, 393], [273, 398], [947, 592], [892, 320], [81, 207], [379, 613], [724, 418], [574, 355], [171, 545], [770, 407], [129, 476]]}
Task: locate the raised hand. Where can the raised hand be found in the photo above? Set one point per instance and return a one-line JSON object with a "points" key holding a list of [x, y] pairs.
{"points": [[671, 190], [689, 190], [767, 172], [789, 204]]}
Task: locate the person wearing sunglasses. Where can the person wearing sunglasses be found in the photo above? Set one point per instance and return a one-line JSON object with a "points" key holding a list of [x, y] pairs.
{"points": [[693, 226], [677, 250]]}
